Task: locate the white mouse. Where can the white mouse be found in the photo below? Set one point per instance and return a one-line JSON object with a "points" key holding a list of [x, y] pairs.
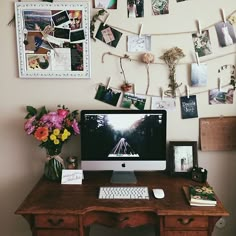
{"points": [[158, 193]]}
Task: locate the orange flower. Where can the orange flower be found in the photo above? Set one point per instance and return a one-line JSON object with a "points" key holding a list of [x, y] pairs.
{"points": [[41, 133]]}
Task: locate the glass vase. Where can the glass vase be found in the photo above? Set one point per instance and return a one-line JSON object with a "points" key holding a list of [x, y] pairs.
{"points": [[54, 165]]}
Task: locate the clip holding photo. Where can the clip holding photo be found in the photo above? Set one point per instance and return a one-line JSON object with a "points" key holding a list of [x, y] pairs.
{"points": [[199, 27], [140, 30]]}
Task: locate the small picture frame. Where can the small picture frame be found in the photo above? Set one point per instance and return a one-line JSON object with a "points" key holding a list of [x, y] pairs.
{"points": [[53, 39], [182, 157]]}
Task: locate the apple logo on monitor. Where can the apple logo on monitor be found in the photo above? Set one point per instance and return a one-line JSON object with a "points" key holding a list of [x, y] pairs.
{"points": [[123, 165]]}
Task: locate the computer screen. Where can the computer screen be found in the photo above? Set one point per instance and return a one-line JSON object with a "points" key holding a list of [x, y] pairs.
{"points": [[123, 141]]}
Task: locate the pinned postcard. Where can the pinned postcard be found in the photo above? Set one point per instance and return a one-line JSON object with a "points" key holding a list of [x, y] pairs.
{"points": [[72, 177]]}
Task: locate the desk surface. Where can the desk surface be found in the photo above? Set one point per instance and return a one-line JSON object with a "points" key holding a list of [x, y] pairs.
{"points": [[54, 198]]}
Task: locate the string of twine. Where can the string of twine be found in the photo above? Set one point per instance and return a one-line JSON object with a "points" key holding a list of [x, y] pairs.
{"points": [[160, 63], [160, 34]]}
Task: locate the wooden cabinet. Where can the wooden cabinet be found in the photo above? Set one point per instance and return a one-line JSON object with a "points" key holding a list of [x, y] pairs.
{"points": [[53, 209]]}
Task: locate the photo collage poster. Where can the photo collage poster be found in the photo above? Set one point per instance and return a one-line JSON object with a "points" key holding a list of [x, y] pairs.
{"points": [[53, 40]]}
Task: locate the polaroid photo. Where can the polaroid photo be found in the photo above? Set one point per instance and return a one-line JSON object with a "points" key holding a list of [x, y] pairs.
{"points": [[136, 43], [108, 35], [160, 7], [199, 74], [189, 107], [38, 62], [135, 8], [134, 102], [60, 18], [165, 103], [225, 33], [77, 56], [105, 4], [61, 59], [222, 96], [37, 20], [202, 43], [62, 33], [77, 35], [75, 19], [107, 95]]}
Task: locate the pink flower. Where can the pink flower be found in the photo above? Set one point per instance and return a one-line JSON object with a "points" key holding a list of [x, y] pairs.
{"points": [[63, 113], [75, 126], [29, 127], [52, 120]]}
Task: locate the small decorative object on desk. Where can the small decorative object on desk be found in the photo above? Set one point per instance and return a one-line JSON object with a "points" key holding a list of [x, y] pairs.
{"points": [[71, 162], [52, 129], [199, 174], [200, 195]]}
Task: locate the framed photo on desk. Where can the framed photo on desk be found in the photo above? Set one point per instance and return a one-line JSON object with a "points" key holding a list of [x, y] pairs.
{"points": [[182, 157]]}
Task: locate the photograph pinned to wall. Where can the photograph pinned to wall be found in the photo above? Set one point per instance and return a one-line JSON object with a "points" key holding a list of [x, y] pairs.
{"points": [[136, 43], [133, 101], [199, 74], [221, 96], [165, 103], [53, 35], [189, 107], [105, 4], [160, 7], [225, 33], [202, 43], [108, 35], [107, 95], [135, 8], [182, 157], [227, 73]]}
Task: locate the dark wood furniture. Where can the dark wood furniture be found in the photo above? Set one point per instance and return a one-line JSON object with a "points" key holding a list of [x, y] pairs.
{"points": [[53, 209]]}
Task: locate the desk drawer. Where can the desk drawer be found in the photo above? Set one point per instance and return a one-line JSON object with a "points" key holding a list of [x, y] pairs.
{"points": [[120, 220], [56, 233], [186, 222], [56, 221]]}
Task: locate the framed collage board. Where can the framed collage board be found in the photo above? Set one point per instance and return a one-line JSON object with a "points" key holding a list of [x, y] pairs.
{"points": [[53, 39]]}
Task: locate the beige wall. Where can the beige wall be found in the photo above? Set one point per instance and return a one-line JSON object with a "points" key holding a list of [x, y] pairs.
{"points": [[22, 160]]}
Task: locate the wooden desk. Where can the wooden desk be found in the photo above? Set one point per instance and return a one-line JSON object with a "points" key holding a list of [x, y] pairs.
{"points": [[53, 209]]}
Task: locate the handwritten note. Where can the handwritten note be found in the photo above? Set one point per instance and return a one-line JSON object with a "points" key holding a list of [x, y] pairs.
{"points": [[72, 177]]}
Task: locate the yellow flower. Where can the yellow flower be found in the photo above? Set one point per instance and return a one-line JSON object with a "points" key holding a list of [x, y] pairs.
{"points": [[53, 137], [64, 137], [56, 132], [66, 132], [56, 141]]}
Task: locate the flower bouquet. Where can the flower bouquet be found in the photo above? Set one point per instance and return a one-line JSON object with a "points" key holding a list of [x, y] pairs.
{"points": [[52, 129]]}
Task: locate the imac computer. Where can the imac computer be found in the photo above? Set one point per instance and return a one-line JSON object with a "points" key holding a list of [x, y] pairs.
{"points": [[123, 141]]}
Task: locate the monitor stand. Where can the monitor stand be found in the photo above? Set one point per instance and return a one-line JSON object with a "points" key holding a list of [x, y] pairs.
{"points": [[123, 177]]}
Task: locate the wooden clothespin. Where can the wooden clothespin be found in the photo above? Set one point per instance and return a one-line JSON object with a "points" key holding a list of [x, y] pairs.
{"points": [[199, 27], [140, 30], [108, 84], [219, 84], [134, 90], [197, 58], [223, 15], [162, 93], [187, 91], [105, 22]]}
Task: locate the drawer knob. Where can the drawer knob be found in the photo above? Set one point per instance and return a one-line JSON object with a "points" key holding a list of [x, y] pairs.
{"points": [[55, 222], [185, 221]]}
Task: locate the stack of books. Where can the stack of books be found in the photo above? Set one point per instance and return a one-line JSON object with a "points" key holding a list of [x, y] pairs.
{"points": [[200, 195]]}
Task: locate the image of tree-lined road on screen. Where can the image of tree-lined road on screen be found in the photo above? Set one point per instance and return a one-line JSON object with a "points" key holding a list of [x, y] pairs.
{"points": [[123, 148], [114, 136]]}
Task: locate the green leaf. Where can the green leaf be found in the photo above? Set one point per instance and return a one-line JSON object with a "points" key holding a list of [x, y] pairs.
{"points": [[42, 112]]}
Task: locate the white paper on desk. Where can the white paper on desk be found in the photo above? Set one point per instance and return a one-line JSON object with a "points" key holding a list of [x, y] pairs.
{"points": [[72, 177]]}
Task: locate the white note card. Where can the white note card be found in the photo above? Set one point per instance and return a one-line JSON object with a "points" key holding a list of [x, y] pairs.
{"points": [[72, 177]]}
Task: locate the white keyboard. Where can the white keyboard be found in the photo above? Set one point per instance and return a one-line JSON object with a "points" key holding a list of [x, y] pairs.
{"points": [[123, 193]]}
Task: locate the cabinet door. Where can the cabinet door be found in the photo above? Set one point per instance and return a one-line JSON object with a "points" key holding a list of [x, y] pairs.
{"points": [[186, 233]]}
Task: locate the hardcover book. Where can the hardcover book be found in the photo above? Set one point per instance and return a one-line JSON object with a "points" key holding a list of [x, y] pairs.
{"points": [[200, 195]]}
